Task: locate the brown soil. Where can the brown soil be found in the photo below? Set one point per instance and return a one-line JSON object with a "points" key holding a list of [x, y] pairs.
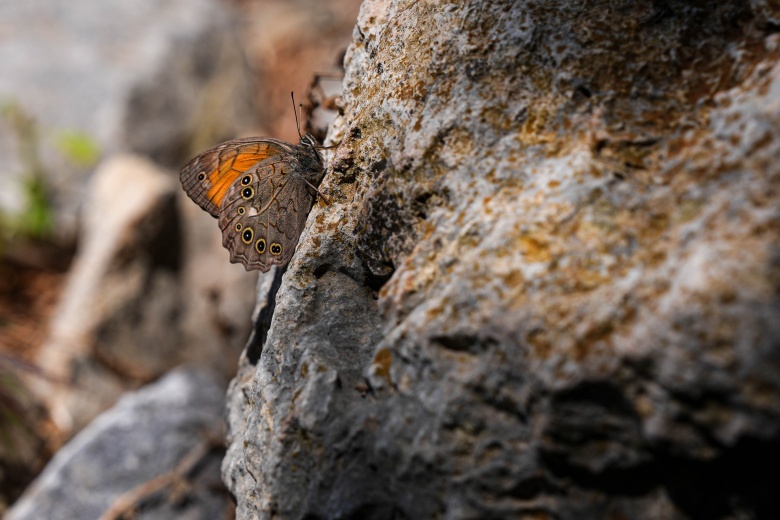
{"points": [[31, 280], [27, 299]]}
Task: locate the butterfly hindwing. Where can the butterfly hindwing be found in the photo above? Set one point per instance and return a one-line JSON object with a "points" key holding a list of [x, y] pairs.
{"points": [[264, 213]]}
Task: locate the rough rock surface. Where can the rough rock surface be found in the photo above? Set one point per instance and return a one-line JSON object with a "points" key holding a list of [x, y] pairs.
{"points": [[125, 455], [140, 298], [548, 282]]}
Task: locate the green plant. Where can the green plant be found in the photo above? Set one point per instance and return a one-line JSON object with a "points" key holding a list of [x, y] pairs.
{"points": [[36, 219], [77, 147]]}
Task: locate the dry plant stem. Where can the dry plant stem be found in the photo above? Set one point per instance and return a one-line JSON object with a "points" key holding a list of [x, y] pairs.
{"points": [[176, 479]]}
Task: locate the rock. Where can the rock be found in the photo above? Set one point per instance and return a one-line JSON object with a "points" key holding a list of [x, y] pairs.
{"points": [[131, 78], [135, 454], [547, 284], [140, 300]]}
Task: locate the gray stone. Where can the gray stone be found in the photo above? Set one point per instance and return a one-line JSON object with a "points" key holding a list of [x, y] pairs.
{"points": [[142, 439], [547, 284]]}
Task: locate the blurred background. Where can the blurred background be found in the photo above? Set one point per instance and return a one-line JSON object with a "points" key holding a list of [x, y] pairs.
{"points": [[109, 276]]}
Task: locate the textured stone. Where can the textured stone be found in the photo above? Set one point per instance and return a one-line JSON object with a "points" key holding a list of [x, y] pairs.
{"points": [[145, 436], [547, 284]]}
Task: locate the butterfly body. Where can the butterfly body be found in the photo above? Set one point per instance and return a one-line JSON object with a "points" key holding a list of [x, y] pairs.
{"points": [[261, 191]]}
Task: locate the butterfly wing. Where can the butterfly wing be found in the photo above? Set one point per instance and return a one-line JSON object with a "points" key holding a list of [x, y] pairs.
{"points": [[264, 212], [208, 177]]}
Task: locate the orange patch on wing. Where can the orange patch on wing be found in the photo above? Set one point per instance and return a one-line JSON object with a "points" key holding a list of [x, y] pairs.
{"points": [[244, 161], [218, 191], [233, 164]]}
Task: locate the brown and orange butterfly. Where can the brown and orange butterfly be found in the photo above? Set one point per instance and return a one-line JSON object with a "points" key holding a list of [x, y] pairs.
{"points": [[261, 191]]}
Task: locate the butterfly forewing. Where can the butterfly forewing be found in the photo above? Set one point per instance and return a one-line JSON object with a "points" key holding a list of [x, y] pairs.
{"points": [[207, 177]]}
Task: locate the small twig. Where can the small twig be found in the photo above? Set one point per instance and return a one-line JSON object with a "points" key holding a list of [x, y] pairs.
{"points": [[131, 500]]}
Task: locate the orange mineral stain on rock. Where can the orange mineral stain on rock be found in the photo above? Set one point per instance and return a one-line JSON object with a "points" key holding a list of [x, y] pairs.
{"points": [[535, 249], [383, 361]]}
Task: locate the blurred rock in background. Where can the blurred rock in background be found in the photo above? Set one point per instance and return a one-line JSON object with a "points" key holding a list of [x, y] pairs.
{"points": [[146, 292], [102, 102], [156, 453], [141, 77], [290, 42]]}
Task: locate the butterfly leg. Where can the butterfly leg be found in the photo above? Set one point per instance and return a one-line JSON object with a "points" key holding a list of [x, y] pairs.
{"points": [[325, 197]]}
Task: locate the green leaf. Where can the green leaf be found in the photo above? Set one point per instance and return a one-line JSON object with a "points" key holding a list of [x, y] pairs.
{"points": [[78, 147], [37, 219]]}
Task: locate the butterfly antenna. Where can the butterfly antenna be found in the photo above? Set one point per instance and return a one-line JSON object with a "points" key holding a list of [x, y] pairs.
{"points": [[297, 121], [320, 147]]}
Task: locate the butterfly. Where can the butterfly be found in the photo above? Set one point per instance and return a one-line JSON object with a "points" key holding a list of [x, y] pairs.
{"points": [[261, 191]]}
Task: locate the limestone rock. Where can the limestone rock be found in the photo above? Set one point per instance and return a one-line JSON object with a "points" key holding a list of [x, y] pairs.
{"points": [[547, 285], [131, 450]]}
